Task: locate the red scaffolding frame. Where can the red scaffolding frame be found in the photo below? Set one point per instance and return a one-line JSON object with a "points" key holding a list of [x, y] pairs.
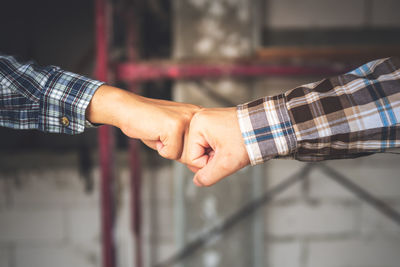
{"points": [[132, 72]]}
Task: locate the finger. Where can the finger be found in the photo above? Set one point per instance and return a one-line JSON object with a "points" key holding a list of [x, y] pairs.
{"points": [[192, 169], [197, 149], [197, 183], [200, 162], [172, 145], [150, 143], [218, 167]]}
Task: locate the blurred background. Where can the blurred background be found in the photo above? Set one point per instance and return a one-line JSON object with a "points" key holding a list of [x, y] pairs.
{"points": [[54, 208]]}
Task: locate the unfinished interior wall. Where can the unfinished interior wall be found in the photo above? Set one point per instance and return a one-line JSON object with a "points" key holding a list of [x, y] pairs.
{"points": [[320, 223], [212, 30], [47, 220]]}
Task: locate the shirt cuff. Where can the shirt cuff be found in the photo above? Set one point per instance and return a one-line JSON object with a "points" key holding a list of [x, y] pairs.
{"points": [[266, 128], [64, 101]]}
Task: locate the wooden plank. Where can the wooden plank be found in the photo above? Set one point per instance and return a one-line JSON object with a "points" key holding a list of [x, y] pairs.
{"points": [[341, 53]]}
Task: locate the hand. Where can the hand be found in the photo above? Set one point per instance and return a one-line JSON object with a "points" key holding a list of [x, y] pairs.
{"points": [[215, 147], [160, 124]]}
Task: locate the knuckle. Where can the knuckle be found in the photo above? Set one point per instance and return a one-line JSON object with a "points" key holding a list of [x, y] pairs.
{"points": [[225, 164], [178, 124], [189, 112], [197, 117], [168, 154], [196, 109]]}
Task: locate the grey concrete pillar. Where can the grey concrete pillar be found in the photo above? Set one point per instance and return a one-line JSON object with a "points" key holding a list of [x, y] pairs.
{"points": [[216, 29]]}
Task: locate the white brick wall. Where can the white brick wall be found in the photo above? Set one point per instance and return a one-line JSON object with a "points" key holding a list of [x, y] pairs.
{"points": [[323, 187], [276, 171], [165, 250], [31, 225], [124, 251], [378, 173], [304, 219], [323, 224], [51, 188], [47, 220], [57, 255], [385, 13], [283, 254], [314, 13], [3, 193], [355, 253], [331, 13], [374, 222], [303, 228], [83, 225], [4, 257]]}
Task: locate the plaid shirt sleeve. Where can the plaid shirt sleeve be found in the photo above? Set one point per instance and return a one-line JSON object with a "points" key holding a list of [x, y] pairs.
{"points": [[347, 116], [44, 98]]}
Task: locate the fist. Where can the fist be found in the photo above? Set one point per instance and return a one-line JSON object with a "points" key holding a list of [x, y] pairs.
{"points": [[215, 147]]}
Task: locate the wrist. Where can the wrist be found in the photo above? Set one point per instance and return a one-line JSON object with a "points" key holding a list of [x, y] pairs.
{"points": [[105, 106]]}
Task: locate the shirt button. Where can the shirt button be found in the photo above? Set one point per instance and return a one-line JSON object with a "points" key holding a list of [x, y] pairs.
{"points": [[64, 121]]}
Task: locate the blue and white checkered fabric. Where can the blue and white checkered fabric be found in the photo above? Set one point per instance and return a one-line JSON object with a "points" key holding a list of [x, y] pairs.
{"points": [[34, 97]]}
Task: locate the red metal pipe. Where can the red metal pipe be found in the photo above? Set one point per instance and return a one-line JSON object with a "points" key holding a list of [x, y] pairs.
{"points": [[101, 40], [136, 72], [134, 160], [136, 182], [106, 143]]}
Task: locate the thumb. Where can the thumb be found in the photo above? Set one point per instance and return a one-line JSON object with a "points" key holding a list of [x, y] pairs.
{"points": [[171, 146], [217, 167], [196, 153], [159, 146]]}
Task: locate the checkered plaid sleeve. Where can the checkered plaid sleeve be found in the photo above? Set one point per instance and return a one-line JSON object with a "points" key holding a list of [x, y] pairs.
{"points": [[44, 98], [351, 115], [266, 128]]}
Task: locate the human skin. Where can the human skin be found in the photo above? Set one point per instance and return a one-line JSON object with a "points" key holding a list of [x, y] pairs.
{"points": [[208, 141], [215, 147], [160, 124]]}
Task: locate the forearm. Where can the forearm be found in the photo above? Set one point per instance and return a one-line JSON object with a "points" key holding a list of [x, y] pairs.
{"points": [[160, 124], [350, 115], [106, 106]]}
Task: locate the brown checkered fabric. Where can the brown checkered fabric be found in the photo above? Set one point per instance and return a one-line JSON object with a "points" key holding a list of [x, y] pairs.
{"points": [[347, 116]]}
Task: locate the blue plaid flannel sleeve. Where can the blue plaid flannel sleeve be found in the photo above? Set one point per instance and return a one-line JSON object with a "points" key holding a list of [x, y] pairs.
{"points": [[43, 98], [347, 116]]}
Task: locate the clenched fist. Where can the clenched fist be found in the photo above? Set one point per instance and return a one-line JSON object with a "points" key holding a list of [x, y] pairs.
{"points": [[160, 124], [214, 147]]}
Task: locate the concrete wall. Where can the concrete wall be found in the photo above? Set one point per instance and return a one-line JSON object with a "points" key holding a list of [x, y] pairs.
{"points": [[46, 218], [331, 13], [201, 31], [320, 223]]}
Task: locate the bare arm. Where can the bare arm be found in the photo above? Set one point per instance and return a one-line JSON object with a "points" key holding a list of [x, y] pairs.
{"points": [[159, 124]]}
